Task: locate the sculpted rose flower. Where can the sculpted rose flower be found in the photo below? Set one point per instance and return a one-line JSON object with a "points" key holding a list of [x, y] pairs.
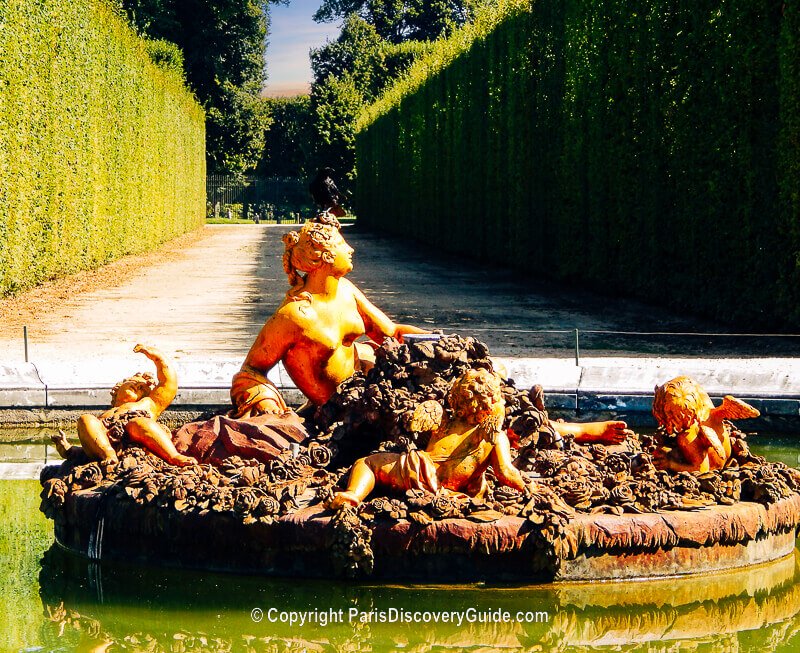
{"points": [[380, 504], [249, 475], [622, 495], [418, 498], [245, 501], [89, 475], [507, 495], [577, 492], [548, 461], [445, 506], [55, 490], [618, 462], [319, 455], [278, 472], [598, 452], [138, 477], [396, 509], [221, 502], [269, 505], [642, 465]]}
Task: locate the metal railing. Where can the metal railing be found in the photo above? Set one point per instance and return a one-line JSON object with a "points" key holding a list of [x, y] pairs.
{"points": [[261, 198], [577, 338]]}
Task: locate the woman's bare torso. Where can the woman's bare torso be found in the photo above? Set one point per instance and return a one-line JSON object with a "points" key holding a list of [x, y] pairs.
{"points": [[323, 354]]}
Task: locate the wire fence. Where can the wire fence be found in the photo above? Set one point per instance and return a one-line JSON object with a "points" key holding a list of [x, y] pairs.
{"points": [[604, 342]]}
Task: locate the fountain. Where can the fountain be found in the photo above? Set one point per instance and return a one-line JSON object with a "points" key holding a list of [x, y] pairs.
{"points": [[415, 458]]}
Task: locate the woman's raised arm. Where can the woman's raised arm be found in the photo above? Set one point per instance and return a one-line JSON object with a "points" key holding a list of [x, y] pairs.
{"points": [[377, 324]]}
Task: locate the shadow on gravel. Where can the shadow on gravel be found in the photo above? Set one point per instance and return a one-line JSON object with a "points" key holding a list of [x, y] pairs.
{"points": [[520, 315]]}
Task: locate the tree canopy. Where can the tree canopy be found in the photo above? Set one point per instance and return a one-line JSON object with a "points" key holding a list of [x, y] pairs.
{"points": [[223, 43], [401, 20], [350, 73], [289, 149]]}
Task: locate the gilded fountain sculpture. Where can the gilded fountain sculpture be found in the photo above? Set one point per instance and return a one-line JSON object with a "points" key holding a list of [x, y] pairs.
{"points": [[413, 457]]}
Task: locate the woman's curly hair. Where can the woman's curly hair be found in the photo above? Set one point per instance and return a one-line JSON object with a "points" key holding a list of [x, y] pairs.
{"points": [[306, 251]]}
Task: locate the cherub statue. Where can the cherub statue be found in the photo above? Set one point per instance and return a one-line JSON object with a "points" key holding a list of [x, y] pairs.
{"points": [[136, 404], [460, 449], [703, 436]]}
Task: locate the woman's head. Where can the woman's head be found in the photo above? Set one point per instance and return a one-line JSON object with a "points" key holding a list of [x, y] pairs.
{"points": [[313, 247]]}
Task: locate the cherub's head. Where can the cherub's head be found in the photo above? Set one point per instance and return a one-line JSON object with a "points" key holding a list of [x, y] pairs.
{"points": [[132, 389], [680, 403], [476, 396]]}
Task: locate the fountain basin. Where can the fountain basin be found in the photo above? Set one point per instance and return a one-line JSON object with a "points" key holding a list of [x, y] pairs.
{"points": [[302, 544]]}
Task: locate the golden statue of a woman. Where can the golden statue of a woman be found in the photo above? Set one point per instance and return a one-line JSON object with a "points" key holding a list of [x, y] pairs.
{"points": [[314, 331]]}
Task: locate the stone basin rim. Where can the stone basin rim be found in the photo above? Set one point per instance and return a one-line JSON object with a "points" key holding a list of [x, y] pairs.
{"points": [[446, 552], [477, 585]]}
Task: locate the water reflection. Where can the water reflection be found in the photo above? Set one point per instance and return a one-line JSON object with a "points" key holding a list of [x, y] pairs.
{"points": [[93, 607]]}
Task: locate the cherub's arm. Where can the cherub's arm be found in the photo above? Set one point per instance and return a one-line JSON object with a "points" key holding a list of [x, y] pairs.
{"points": [[694, 448], [668, 461], [716, 449], [163, 394], [502, 464], [377, 324]]}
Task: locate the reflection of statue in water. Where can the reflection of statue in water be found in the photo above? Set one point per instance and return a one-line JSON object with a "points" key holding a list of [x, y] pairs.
{"points": [[458, 453], [136, 404], [314, 331], [703, 436], [756, 609]]}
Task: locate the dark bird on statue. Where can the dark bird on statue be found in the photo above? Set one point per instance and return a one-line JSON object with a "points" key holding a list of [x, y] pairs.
{"points": [[325, 193]]}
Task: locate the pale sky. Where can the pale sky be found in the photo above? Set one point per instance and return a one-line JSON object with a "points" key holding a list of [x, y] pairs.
{"points": [[292, 34]]}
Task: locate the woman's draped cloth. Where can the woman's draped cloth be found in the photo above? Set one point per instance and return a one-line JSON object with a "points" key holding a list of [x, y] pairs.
{"points": [[240, 433]]}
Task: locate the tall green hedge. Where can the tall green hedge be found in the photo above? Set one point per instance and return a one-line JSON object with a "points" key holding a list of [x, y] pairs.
{"points": [[102, 152], [648, 148]]}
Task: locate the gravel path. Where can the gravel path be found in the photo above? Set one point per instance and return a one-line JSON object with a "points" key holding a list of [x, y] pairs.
{"points": [[205, 296]]}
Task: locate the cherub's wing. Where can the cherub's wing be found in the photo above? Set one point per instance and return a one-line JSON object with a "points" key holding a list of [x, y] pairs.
{"points": [[428, 416], [733, 408]]}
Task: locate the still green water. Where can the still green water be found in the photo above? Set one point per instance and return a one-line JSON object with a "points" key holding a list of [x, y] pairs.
{"points": [[52, 601]]}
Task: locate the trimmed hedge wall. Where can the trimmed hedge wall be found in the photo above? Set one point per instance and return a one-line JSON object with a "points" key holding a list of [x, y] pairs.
{"points": [[650, 149], [102, 152]]}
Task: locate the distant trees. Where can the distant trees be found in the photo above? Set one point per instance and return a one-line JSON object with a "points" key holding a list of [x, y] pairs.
{"points": [[223, 43], [379, 41], [350, 73], [402, 20], [289, 146]]}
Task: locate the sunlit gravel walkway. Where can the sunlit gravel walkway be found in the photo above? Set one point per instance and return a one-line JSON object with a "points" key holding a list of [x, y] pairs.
{"points": [[205, 305], [209, 303]]}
